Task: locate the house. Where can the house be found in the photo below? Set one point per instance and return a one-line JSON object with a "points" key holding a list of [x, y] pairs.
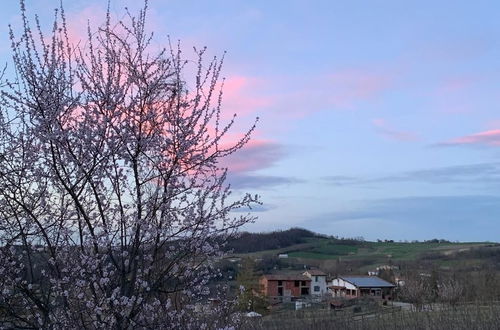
{"points": [[318, 281], [361, 286], [285, 287]]}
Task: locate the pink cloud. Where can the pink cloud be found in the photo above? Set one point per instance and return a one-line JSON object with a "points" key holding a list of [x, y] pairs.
{"points": [[294, 97], [77, 23], [386, 130], [241, 94], [95, 16], [486, 138], [242, 98], [256, 155]]}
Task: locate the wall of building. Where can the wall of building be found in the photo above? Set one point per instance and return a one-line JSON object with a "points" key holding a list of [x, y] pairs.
{"points": [[295, 291], [270, 288], [340, 288], [344, 289], [342, 283], [318, 281]]}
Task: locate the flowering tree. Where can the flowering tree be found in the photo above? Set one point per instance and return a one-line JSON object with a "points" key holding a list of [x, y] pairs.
{"points": [[113, 205]]}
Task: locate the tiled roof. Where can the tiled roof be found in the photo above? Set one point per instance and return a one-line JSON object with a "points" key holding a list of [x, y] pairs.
{"points": [[316, 272], [367, 281], [286, 277]]}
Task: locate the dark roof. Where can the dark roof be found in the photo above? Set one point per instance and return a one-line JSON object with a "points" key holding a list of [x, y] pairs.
{"points": [[316, 272], [367, 281], [286, 277]]}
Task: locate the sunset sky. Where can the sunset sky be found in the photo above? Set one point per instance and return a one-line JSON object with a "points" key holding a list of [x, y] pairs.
{"points": [[378, 119]]}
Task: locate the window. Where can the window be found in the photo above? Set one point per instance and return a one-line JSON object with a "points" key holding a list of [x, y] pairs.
{"points": [[315, 278], [303, 283], [280, 291], [280, 283], [316, 288], [297, 283]]}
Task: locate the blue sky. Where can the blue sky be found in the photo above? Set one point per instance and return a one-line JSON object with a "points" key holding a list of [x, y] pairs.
{"points": [[377, 118]]}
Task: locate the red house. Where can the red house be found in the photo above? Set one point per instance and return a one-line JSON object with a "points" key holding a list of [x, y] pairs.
{"points": [[285, 287]]}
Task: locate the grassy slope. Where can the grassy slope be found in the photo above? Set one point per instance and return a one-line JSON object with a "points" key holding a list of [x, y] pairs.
{"points": [[323, 249]]}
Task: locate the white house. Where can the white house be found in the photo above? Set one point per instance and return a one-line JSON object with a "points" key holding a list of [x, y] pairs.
{"points": [[318, 281], [359, 286]]}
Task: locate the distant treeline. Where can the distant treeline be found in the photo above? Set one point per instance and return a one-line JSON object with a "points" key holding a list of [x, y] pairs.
{"points": [[252, 242], [247, 242], [434, 240], [489, 252]]}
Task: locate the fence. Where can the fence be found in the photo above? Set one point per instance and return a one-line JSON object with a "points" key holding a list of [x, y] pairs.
{"points": [[484, 315]]}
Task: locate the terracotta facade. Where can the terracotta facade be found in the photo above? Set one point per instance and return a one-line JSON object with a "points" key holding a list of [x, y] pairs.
{"points": [[285, 286]]}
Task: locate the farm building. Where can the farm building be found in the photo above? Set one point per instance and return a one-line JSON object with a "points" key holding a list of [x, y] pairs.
{"points": [[361, 286], [318, 281], [285, 287]]}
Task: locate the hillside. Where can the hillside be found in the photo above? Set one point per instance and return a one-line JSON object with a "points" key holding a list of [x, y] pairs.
{"points": [[253, 242], [305, 247]]}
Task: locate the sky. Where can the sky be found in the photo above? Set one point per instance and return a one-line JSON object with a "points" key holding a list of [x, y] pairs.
{"points": [[377, 119]]}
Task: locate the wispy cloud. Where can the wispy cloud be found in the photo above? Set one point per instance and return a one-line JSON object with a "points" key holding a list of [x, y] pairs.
{"points": [[246, 181], [343, 180], [346, 89], [464, 217], [78, 22], [293, 97], [243, 97], [493, 124], [350, 86], [256, 155], [455, 85], [487, 138], [471, 173], [385, 129], [245, 164]]}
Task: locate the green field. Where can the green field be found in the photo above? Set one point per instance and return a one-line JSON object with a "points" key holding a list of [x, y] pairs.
{"points": [[376, 252]]}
